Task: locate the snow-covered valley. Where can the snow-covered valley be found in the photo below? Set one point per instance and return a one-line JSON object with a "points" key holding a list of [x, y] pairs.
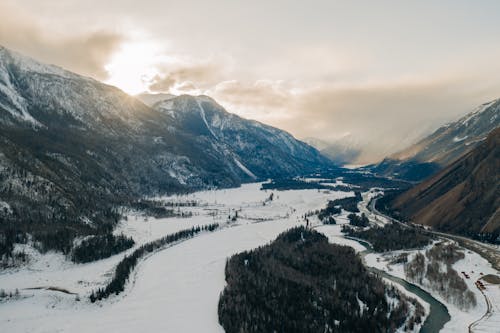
{"points": [[174, 290], [177, 289]]}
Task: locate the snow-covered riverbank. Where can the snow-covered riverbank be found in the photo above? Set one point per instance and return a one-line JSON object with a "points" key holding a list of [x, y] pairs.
{"points": [[473, 265]]}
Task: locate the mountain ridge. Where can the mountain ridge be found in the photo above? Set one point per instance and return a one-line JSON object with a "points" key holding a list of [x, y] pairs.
{"points": [[73, 149], [445, 145], [463, 198]]}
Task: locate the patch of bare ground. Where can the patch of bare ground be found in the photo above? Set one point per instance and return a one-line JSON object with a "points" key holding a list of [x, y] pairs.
{"points": [[491, 278]]}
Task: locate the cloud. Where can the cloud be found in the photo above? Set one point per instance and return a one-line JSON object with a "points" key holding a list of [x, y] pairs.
{"points": [[379, 119], [85, 54], [182, 76], [262, 94], [331, 78]]}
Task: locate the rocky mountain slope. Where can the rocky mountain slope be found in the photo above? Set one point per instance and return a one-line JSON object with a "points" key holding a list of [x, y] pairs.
{"points": [[257, 150], [442, 147], [463, 198], [72, 149]]}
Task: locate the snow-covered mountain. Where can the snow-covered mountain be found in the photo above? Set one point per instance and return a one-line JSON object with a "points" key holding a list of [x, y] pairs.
{"points": [[256, 149], [72, 148], [444, 146]]}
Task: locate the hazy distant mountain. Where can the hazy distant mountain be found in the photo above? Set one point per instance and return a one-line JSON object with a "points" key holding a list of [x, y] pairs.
{"points": [[72, 148], [444, 146], [151, 99], [343, 151], [316, 143], [464, 197]]}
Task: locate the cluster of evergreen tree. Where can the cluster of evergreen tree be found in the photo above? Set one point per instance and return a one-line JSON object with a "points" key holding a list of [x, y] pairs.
{"points": [[331, 209], [350, 203], [7, 255], [364, 181], [100, 247], [329, 220], [187, 203], [128, 263], [58, 240], [488, 237], [358, 221], [154, 208], [334, 207], [7, 240], [384, 204], [4, 294], [54, 228], [302, 283], [284, 184], [391, 237]]}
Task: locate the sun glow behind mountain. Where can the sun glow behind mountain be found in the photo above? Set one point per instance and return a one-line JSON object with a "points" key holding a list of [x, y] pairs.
{"points": [[134, 66], [361, 69]]}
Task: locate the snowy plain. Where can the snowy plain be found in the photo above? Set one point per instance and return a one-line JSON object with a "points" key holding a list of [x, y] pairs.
{"points": [[177, 289], [173, 290]]}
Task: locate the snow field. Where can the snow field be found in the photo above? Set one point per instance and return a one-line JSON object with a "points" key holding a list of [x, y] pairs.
{"points": [[173, 290]]}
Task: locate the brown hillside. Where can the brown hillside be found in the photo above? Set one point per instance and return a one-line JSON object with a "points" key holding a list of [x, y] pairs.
{"points": [[464, 197]]}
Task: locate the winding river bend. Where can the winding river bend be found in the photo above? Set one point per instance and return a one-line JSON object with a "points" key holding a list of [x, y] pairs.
{"points": [[438, 313]]}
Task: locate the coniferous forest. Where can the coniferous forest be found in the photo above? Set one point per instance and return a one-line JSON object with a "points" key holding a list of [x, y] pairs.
{"points": [[334, 207], [100, 247], [302, 283], [391, 237], [358, 221]]}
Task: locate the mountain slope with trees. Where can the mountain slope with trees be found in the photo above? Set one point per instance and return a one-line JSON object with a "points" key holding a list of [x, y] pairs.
{"points": [[444, 146], [464, 198], [73, 149]]}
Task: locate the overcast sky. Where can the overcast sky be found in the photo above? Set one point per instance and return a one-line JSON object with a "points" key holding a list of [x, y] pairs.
{"points": [[380, 73]]}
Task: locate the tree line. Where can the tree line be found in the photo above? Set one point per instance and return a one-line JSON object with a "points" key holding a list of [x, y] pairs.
{"points": [[390, 237], [100, 247], [158, 209], [284, 184], [358, 221], [128, 263], [334, 207]]}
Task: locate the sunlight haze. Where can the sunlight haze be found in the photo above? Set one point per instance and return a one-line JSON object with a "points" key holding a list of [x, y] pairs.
{"points": [[318, 70]]}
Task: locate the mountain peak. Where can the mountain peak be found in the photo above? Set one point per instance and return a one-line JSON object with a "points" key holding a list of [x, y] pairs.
{"points": [[28, 64], [445, 145], [476, 113]]}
